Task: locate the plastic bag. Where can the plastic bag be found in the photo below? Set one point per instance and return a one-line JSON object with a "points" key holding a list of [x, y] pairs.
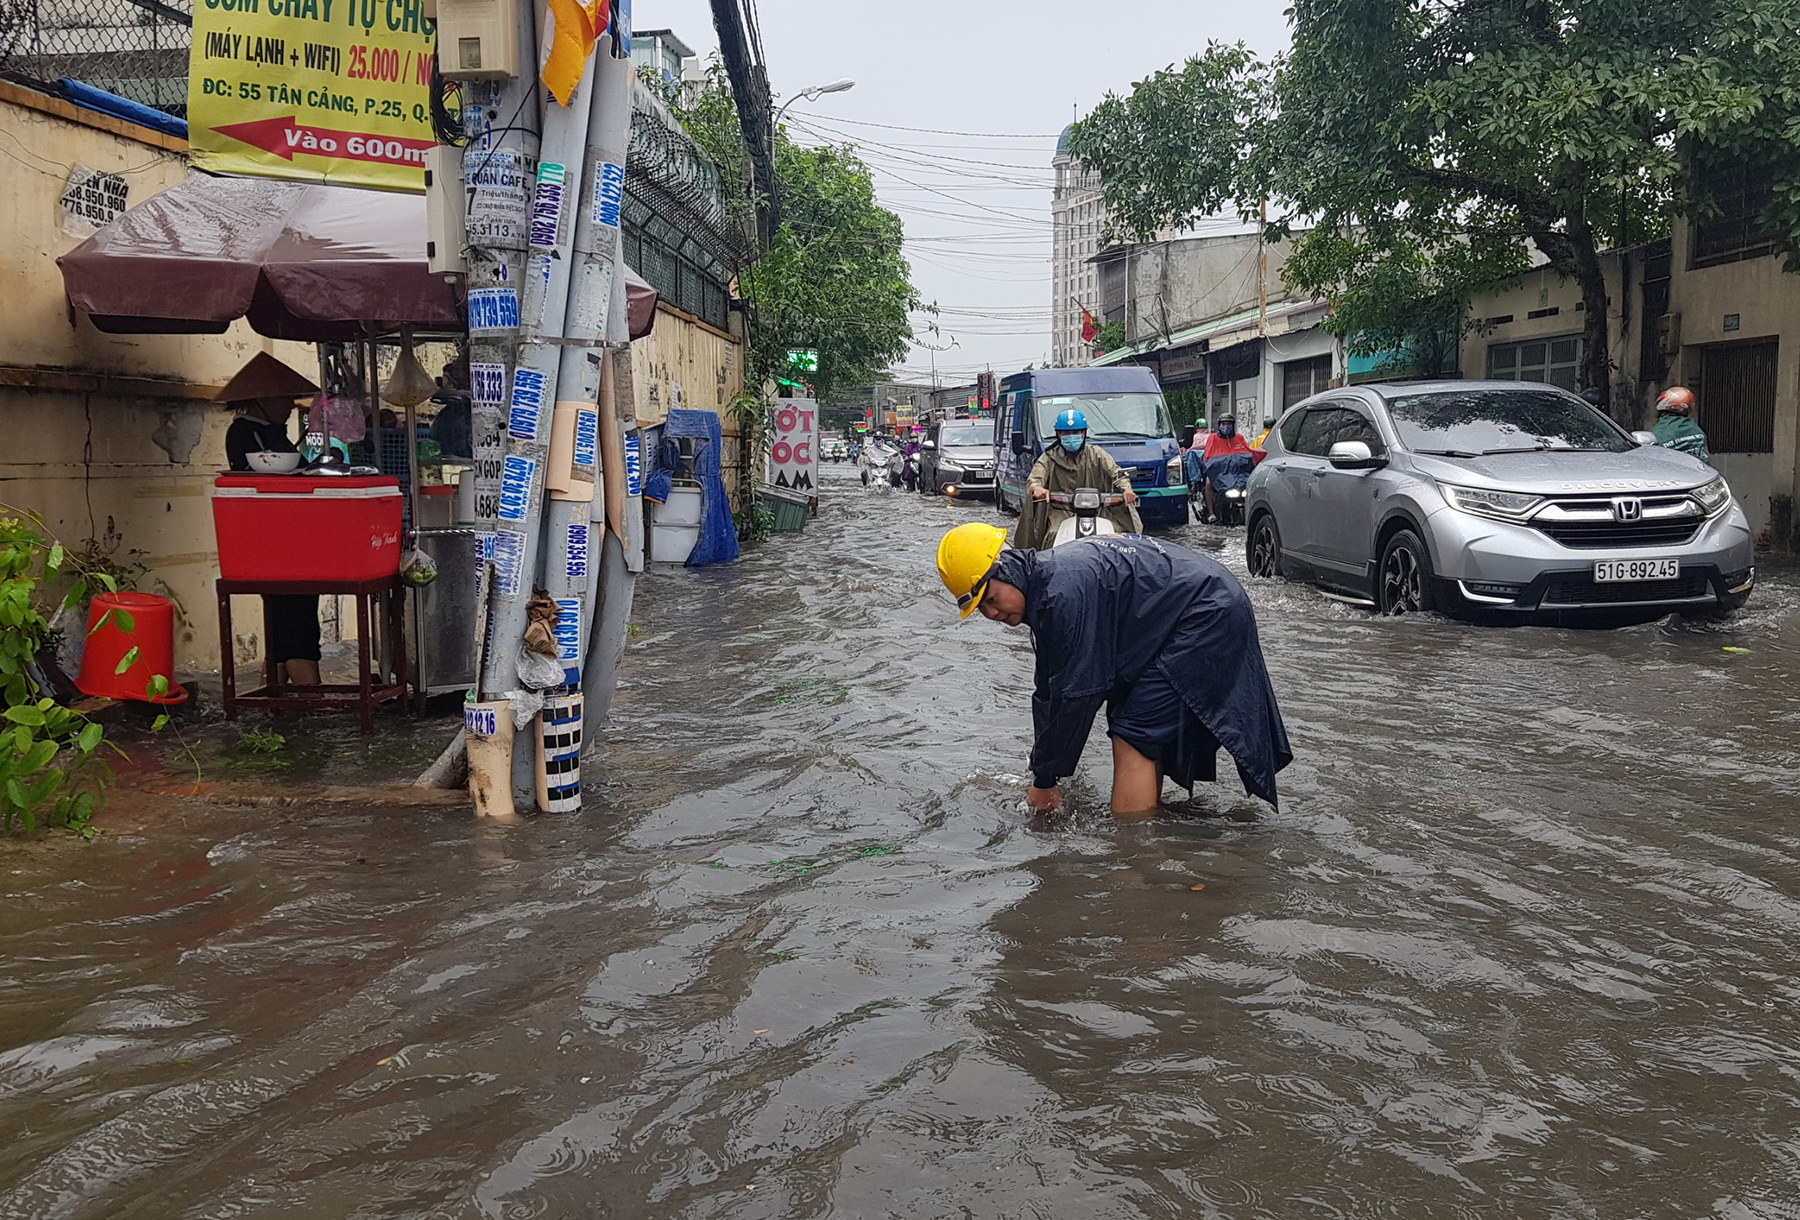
{"points": [[525, 704], [538, 672], [417, 568]]}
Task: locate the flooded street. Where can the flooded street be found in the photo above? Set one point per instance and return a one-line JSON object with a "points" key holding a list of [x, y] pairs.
{"points": [[1522, 940]]}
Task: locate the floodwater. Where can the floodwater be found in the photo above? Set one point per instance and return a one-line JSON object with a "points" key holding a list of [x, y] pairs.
{"points": [[1521, 941]]}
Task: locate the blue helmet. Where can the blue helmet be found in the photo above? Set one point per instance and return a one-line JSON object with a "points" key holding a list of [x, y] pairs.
{"points": [[1071, 421]]}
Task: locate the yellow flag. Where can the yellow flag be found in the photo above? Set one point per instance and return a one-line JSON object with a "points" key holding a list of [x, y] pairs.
{"points": [[579, 24]]}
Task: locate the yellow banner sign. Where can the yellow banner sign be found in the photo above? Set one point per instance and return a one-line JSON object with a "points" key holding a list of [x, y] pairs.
{"points": [[320, 90]]}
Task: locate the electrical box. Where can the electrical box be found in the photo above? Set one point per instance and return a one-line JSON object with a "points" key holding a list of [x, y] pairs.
{"points": [[446, 207], [478, 39]]}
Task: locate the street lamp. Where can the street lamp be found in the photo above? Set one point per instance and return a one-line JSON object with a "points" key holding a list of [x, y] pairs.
{"points": [[812, 92]]}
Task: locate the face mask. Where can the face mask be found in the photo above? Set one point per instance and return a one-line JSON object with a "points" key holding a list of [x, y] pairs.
{"points": [[1227, 430], [1073, 443]]}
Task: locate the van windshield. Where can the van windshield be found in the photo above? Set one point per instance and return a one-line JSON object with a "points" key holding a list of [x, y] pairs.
{"points": [[1110, 416]]}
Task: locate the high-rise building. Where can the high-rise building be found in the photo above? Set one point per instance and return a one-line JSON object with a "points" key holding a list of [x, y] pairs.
{"points": [[1076, 217]]}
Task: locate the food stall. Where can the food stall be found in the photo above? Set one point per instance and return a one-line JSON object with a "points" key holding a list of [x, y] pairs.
{"points": [[331, 265]]}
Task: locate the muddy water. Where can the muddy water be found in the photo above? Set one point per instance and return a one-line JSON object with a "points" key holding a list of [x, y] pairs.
{"points": [[1521, 941]]}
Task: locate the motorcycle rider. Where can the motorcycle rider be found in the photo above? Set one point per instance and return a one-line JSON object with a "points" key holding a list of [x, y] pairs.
{"points": [[1164, 637], [1675, 427], [1069, 465], [909, 472], [1223, 441]]}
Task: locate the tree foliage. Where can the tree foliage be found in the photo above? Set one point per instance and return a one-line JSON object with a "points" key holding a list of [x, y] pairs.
{"points": [[1414, 147], [834, 277]]}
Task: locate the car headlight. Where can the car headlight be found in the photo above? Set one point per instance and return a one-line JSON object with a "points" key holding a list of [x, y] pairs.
{"points": [[950, 467], [1714, 497], [1175, 477], [1499, 505]]}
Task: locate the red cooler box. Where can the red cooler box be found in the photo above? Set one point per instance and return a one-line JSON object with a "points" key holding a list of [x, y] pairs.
{"points": [[295, 527]]}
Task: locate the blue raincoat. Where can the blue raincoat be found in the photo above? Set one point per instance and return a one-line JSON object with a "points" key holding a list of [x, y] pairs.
{"points": [[1105, 613]]}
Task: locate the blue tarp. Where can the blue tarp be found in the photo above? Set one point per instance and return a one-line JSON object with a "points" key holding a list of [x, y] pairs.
{"points": [[718, 533]]}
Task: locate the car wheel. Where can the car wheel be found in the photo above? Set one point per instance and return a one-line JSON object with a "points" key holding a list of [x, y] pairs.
{"points": [[1262, 550], [1405, 585]]}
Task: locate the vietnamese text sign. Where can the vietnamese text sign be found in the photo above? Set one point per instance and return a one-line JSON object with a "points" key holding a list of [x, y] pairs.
{"points": [[794, 456], [320, 90]]}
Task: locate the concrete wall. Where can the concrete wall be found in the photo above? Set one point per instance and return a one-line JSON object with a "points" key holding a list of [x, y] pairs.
{"points": [[79, 407], [1175, 284]]}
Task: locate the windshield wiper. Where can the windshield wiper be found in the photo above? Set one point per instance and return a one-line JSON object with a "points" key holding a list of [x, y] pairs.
{"points": [[1527, 449], [1458, 453]]}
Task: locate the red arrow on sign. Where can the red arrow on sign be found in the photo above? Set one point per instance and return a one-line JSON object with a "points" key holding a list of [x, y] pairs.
{"points": [[284, 137]]}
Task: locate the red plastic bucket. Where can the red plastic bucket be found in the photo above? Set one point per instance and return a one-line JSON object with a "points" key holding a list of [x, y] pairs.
{"points": [[152, 634]]}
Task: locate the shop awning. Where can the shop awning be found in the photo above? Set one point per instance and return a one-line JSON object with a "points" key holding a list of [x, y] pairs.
{"points": [[302, 261]]}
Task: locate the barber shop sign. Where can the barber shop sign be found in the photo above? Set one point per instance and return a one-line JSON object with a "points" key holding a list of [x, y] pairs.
{"points": [[793, 457]]}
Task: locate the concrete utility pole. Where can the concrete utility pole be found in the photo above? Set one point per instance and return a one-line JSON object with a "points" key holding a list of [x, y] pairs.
{"points": [[750, 91]]}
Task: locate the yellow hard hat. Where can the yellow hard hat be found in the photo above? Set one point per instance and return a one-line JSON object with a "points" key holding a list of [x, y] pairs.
{"points": [[965, 557]]}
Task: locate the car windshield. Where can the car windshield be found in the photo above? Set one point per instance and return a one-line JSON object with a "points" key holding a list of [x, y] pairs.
{"points": [[1474, 423], [980, 432], [1109, 416]]}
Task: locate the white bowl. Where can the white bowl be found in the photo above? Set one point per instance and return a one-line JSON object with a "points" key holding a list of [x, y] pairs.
{"points": [[269, 461]]}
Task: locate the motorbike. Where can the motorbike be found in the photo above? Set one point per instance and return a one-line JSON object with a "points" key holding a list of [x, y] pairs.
{"points": [[909, 471], [1084, 519], [1229, 477], [880, 465]]}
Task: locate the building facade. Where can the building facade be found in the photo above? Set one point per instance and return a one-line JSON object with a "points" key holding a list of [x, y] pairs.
{"points": [[1077, 217], [1210, 315], [1710, 307]]}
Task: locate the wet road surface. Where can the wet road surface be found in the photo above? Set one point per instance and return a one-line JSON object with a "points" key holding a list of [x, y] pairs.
{"points": [[1522, 940]]}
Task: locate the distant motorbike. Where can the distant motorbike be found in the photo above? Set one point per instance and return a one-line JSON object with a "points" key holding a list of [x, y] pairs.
{"points": [[880, 465], [1229, 477], [1084, 519]]}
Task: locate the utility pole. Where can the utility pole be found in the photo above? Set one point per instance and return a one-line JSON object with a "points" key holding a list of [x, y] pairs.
{"points": [[750, 91], [1262, 271]]}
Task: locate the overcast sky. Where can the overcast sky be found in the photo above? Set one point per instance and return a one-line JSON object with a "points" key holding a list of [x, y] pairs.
{"points": [[1006, 76]]}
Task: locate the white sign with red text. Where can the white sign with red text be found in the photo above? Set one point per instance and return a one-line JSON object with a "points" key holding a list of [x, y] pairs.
{"points": [[794, 455]]}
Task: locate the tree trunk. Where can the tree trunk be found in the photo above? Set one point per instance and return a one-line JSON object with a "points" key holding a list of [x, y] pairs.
{"points": [[1596, 361]]}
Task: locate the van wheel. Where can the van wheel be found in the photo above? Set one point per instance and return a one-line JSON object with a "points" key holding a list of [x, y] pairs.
{"points": [[1262, 550], [1406, 584]]}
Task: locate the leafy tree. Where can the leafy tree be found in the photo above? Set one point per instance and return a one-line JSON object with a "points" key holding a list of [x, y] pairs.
{"points": [[834, 277], [1110, 336], [1414, 147]]}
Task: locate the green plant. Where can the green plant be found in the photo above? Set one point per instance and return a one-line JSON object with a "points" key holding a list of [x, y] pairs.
{"points": [[1109, 338], [260, 741], [50, 765], [755, 521]]}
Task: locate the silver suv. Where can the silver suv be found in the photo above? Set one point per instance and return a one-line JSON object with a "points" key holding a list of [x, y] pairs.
{"points": [[1498, 498]]}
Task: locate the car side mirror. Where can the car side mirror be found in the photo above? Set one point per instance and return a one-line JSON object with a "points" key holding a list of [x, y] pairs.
{"points": [[1354, 455], [929, 445], [1018, 442], [1644, 438]]}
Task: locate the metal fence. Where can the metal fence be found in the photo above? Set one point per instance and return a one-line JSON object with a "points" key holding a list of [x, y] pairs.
{"points": [[135, 48]]}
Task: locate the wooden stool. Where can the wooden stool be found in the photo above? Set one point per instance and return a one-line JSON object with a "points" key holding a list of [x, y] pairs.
{"points": [[281, 696]]}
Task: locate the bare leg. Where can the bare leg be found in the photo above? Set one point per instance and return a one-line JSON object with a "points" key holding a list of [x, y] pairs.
{"points": [[302, 673], [1137, 783]]}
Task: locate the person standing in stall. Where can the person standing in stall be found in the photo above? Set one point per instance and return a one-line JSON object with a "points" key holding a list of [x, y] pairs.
{"points": [[264, 393]]}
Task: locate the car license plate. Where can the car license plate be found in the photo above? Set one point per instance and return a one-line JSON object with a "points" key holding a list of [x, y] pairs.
{"points": [[1615, 571]]}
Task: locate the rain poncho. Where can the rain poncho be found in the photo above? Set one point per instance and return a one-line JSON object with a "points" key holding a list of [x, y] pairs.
{"points": [[1104, 612], [1060, 470], [1676, 431]]}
